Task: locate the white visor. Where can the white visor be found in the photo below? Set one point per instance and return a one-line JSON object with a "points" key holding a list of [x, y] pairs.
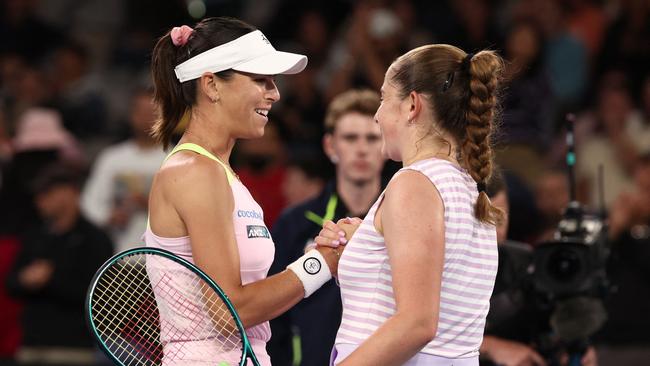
{"points": [[251, 53]]}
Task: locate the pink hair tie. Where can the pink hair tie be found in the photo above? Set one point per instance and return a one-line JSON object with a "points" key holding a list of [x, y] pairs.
{"points": [[180, 35]]}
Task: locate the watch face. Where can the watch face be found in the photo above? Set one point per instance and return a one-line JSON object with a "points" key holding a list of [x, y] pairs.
{"points": [[311, 265]]}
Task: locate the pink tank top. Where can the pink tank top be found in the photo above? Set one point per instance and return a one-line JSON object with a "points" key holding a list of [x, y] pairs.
{"points": [[256, 248]]}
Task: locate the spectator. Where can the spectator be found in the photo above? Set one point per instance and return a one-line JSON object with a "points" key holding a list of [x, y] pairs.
{"points": [[528, 104], [40, 140], [626, 41], [373, 40], [587, 21], [614, 144], [623, 340], [52, 271], [77, 92], [115, 196], [565, 55]]}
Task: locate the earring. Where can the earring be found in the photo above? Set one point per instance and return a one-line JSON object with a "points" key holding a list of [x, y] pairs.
{"points": [[334, 159]]}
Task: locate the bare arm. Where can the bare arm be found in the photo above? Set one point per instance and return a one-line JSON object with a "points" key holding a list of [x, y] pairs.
{"points": [[202, 197], [412, 220]]}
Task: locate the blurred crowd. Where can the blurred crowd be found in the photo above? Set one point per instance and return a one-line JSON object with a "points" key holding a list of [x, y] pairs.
{"points": [[76, 159]]}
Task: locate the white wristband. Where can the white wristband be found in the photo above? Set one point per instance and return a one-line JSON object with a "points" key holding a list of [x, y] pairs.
{"points": [[312, 270]]}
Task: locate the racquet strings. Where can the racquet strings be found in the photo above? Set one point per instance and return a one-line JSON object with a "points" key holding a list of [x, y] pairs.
{"points": [[150, 310]]}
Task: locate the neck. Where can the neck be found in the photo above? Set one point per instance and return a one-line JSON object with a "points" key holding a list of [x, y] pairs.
{"points": [[358, 196], [209, 134], [433, 146]]}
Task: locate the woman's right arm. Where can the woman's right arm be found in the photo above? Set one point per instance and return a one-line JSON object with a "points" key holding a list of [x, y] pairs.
{"points": [[200, 194]]}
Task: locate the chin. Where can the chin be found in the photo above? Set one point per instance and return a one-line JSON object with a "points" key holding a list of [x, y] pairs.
{"points": [[260, 132], [255, 131], [393, 157], [385, 154]]}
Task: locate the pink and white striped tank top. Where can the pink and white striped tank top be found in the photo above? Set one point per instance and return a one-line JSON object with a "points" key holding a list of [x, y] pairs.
{"points": [[256, 252], [469, 270]]}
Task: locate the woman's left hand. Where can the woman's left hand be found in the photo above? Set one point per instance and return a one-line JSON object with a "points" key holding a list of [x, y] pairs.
{"points": [[333, 235], [349, 225]]}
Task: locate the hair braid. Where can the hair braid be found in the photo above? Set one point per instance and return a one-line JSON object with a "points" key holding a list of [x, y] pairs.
{"points": [[484, 71]]}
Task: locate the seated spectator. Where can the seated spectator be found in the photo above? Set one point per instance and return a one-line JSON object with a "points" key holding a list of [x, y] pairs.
{"points": [[52, 272], [40, 139], [613, 144]]}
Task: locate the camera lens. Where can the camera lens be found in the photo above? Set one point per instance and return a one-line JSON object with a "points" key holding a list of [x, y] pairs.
{"points": [[564, 264]]}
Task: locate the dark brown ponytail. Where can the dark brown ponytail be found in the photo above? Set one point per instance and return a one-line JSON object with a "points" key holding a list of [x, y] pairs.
{"points": [[168, 93]]}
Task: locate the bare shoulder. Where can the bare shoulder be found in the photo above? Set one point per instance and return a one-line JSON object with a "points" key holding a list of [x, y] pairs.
{"points": [[188, 178], [410, 186], [189, 171], [187, 186], [410, 197]]}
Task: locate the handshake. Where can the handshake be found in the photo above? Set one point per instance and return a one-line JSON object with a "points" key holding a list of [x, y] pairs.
{"points": [[330, 243]]}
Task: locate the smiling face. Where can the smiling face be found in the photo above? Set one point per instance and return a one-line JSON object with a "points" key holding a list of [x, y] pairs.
{"points": [[246, 100]]}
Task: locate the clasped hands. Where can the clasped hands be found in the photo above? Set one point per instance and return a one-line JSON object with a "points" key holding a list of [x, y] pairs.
{"points": [[336, 235]]}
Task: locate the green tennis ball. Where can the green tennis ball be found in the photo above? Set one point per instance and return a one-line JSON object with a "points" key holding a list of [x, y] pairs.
{"points": [[223, 363]]}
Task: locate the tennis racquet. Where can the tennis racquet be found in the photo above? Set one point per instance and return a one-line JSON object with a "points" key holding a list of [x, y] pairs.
{"points": [[147, 306]]}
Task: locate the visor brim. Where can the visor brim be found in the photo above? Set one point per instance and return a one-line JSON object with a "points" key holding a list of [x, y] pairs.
{"points": [[274, 63]]}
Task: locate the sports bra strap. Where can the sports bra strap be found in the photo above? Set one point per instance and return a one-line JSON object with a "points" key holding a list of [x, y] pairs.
{"points": [[201, 151]]}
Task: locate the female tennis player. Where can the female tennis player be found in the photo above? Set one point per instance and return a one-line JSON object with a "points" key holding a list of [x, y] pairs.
{"points": [[218, 78], [417, 275]]}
